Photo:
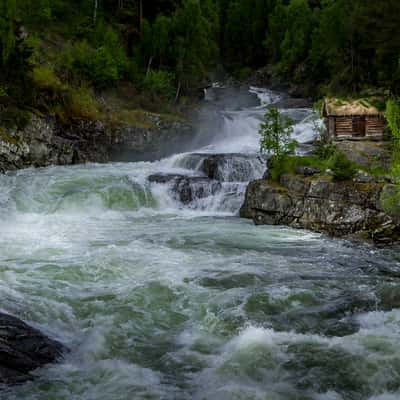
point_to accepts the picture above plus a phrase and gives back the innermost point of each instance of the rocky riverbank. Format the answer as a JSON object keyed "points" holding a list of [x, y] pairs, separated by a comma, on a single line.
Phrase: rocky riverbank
{"points": [[318, 203], [46, 141], [23, 349]]}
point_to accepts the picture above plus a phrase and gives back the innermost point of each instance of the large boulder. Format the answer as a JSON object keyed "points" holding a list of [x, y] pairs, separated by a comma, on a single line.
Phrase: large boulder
{"points": [[367, 153], [234, 167], [323, 205], [24, 349]]}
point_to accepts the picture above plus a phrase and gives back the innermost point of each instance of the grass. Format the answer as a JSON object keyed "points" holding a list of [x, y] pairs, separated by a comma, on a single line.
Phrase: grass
{"points": [[341, 167], [289, 164], [136, 118]]}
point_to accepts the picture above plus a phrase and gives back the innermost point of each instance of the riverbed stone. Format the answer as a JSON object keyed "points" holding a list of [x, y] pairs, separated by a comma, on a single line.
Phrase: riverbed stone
{"points": [[24, 349]]}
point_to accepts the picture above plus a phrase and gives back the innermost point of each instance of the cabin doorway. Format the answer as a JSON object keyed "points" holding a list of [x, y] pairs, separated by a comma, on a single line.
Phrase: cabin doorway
{"points": [[359, 126]]}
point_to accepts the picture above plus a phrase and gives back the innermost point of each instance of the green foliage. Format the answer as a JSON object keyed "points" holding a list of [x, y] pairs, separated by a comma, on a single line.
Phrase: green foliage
{"points": [[295, 44], [324, 150], [341, 167], [390, 200], [159, 83], [288, 164], [78, 104], [393, 120], [45, 78], [101, 66], [14, 117], [8, 11], [276, 133]]}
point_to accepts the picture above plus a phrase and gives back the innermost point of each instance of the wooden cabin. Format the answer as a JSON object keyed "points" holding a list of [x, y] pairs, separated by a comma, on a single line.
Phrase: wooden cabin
{"points": [[354, 120]]}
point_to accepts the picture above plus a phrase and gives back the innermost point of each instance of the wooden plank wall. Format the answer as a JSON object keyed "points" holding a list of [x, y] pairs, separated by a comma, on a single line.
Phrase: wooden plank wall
{"points": [[375, 126], [344, 126]]}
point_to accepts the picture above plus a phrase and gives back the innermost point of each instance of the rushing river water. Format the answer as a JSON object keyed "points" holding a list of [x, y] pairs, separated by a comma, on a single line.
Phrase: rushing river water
{"points": [[162, 300]]}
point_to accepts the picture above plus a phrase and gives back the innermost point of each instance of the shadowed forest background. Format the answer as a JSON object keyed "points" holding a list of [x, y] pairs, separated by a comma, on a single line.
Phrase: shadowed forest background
{"points": [[55, 53]]}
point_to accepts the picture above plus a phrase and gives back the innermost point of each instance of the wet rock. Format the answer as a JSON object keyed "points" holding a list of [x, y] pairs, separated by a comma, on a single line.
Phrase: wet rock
{"points": [[24, 349], [187, 188], [389, 296], [165, 178], [190, 189], [323, 205], [234, 167]]}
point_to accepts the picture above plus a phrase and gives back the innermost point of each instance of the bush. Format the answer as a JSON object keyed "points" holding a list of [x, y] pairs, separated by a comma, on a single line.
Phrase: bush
{"points": [[342, 167], [45, 78], [14, 117], [390, 200], [243, 73], [159, 83], [324, 150], [101, 66], [79, 104], [104, 69]]}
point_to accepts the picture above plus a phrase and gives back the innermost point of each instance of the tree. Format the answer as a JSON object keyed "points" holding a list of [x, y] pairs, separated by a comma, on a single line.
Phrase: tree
{"points": [[393, 119], [8, 12], [295, 45], [276, 133]]}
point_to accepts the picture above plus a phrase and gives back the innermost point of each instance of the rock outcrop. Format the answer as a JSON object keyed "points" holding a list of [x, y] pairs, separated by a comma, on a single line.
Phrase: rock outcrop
{"points": [[45, 141], [187, 188], [323, 205], [24, 349], [233, 167]]}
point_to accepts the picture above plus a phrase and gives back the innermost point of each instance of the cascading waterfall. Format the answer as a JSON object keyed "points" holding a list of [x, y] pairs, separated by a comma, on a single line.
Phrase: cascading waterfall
{"points": [[144, 272]]}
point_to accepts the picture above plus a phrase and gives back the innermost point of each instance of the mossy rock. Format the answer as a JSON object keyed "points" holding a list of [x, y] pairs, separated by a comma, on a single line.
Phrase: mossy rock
{"points": [[6, 137]]}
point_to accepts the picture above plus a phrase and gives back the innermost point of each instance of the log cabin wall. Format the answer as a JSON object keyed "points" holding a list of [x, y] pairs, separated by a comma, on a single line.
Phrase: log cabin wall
{"points": [[375, 126], [344, 127]]}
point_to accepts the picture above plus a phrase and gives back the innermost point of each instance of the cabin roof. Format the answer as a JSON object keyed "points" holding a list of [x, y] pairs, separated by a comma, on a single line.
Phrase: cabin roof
{"points": [[343, 108]]}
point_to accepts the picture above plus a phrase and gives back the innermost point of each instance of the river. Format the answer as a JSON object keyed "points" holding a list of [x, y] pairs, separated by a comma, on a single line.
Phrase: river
{"points": [[160, 298]]}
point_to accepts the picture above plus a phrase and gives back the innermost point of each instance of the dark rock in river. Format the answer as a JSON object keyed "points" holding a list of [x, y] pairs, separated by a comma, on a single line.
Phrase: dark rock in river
{"points": [[234, 167], [323, 205], [187, 188], [24, 349]]}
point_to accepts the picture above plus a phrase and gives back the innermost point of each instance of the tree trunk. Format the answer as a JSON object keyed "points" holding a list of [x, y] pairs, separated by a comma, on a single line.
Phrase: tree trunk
{"points": [[178, 91], [141, 17], [95, 7], [149, 65]]}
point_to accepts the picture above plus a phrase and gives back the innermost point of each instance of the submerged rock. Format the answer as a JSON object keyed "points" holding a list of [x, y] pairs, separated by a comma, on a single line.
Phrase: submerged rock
{"points": [[24, 349], [323, 205]]}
